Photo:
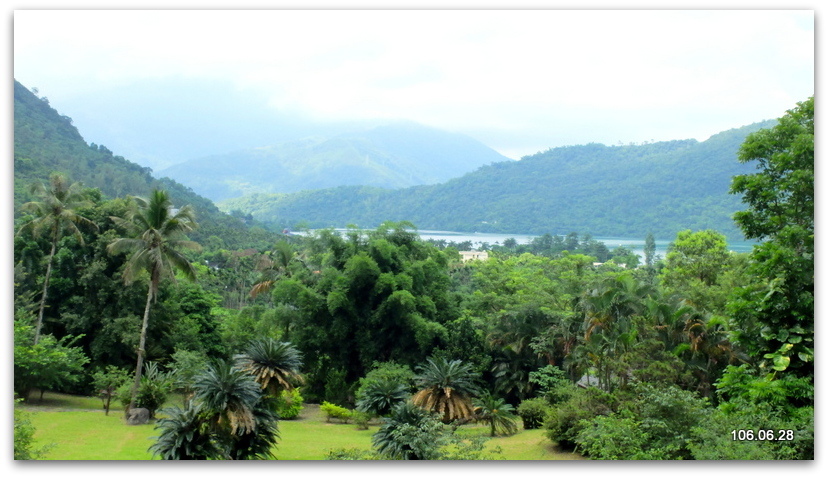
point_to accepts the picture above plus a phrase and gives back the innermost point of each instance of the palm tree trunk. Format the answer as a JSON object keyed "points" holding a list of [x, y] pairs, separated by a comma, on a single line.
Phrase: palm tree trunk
{"points": [[45, 291], [141, 343]]}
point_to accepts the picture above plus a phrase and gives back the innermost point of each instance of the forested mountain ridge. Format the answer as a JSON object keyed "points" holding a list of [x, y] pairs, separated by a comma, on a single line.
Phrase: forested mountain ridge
{"points": [[393, 155], [46, 141], [628, 190]]}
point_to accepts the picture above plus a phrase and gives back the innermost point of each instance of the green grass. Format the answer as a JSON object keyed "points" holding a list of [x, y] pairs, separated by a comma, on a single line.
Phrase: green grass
{"points": [[78, 430]]}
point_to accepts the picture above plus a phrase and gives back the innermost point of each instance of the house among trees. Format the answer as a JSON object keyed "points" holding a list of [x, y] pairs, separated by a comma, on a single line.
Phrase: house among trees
{"points": [[474, 255]]}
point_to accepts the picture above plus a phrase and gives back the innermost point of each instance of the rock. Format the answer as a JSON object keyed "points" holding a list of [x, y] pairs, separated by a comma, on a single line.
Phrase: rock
{"points": [[138, 416]]}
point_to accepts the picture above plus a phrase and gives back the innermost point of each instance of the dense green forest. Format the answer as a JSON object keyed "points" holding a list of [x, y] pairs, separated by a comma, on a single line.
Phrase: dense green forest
{"points": [[617, 191], [705, 354]]}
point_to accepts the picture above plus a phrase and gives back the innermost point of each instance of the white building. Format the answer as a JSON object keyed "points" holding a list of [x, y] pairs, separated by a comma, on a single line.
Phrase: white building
{"points": [[474, 255]]}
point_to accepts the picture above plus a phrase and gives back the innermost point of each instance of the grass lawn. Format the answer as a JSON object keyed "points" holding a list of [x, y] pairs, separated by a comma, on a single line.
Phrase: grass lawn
{"points": [[78, 430]]}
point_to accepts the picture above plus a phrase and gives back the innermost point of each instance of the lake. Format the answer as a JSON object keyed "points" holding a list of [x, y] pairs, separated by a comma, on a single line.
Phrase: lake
{"points": [[636, 245]]}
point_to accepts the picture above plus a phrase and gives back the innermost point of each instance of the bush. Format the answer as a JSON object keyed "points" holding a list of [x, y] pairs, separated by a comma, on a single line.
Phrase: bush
{"points": [[565, 420], [289, 404], [653, 423], [153, 390], [668, 415], [361, 419], [24, 437], [612, 438], [553, 384], [351, 454], [335, 411], [533, 412], [713, 439]]}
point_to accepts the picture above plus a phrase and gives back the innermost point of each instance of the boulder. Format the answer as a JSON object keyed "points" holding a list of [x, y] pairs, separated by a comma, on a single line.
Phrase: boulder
{"points": [[138, 416]]}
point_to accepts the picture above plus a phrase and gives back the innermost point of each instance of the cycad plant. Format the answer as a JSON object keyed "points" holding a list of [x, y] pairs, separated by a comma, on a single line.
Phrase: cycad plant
{"points": [[228, 418], [447, 388], [381, 396], [184, 436], [410, 433], [275, 365], [498, 414]]}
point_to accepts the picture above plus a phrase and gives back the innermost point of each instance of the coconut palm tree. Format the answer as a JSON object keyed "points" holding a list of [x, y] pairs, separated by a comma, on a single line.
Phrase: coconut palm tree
{"points": [[156, 233], [447, 388], [497, 413], [273, 265], [275, 365], [54, 214]]}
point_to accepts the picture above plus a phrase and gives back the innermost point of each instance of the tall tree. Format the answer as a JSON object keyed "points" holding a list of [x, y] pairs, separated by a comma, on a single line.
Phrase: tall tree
{"points": [[156, 232], [55, 213], [649, 250], [776, 317]]}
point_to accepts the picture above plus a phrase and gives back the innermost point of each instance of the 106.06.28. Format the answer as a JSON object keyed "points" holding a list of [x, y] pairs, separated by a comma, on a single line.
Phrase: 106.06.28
{"points": [[762, 435]]}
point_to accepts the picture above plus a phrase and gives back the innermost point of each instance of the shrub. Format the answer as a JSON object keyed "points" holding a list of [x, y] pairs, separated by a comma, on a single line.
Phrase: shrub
{"points": [[612, 438], [361, 419], [24, 437], [533, 412], [335, 411], [289, 404], [713, 439], [564, 421], [154, 389], [552, 383], [351, 454]]}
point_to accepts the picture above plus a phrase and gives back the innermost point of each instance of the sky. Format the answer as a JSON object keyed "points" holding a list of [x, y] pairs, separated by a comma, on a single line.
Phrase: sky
{"points": [[520, 81]]}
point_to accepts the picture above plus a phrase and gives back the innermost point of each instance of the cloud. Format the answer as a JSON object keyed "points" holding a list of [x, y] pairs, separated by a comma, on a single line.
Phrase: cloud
{"points": [[621, 73]]}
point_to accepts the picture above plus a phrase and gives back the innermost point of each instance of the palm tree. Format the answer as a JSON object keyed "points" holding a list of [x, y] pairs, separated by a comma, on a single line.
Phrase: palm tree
{"points": [[55, 213], [497, 413], [274, 365], [155, 230], [447, 388], [273, 265]]}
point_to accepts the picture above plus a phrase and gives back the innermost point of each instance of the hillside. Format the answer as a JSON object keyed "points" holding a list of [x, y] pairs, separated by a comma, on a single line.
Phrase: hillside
{"points": [[394, 155], [622, 191], [46, 141]]}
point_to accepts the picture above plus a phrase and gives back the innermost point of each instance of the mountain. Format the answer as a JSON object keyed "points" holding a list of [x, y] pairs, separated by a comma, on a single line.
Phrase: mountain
{"points": [[394, 155], [46, 141], [622, 191]]}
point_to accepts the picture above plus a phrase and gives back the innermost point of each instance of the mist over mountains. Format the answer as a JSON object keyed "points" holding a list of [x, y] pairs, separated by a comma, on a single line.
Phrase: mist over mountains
{"points": [[394, 155]]}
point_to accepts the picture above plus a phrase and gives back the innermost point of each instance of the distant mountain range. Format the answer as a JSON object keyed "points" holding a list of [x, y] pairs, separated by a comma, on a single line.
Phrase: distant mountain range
{"points": [[622, 191], [395, 155]]}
